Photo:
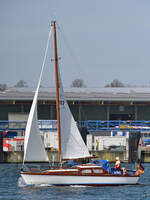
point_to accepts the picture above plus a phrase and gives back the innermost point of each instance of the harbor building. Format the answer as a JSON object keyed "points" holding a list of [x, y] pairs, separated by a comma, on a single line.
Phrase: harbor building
{"points": [[107, 114], [85, 103]]}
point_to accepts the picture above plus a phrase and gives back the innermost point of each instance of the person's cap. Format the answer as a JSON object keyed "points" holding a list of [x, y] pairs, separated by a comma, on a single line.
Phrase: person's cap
{"points": [[117, 158]]}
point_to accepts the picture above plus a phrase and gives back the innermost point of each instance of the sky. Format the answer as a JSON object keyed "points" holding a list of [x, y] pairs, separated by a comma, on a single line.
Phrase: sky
{"points": [[98, 41]]}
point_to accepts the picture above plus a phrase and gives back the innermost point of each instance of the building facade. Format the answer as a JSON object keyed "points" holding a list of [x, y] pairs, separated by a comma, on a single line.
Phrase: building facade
{"points": [[85, 103]]}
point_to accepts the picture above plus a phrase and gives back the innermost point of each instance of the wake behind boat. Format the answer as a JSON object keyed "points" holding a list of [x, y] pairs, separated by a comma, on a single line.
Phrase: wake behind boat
{"points": [[71, 147]]}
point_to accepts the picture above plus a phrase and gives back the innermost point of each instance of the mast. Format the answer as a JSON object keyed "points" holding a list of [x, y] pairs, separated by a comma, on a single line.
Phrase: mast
{"points": [[57, 91]]}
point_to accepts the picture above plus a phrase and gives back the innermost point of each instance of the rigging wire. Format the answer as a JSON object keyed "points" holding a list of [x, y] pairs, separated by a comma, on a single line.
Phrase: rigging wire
{"points": [[46, 50], [75, 59], [71, 53]]}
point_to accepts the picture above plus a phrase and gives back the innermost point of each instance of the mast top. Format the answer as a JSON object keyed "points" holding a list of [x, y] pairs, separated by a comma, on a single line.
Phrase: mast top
{"points": [[53, 22]]}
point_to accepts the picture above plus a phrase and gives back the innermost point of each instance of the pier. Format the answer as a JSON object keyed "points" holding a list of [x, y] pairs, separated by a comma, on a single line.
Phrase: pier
{"points": [[12, 132], [17, 157]]}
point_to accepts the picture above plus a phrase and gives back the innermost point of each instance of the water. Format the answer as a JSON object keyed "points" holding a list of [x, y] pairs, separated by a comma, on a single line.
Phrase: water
{"points": [[12, 188]]}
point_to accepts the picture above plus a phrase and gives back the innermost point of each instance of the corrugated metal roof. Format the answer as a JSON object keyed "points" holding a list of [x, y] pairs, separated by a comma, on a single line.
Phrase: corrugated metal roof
{"points": [[80, 94]]}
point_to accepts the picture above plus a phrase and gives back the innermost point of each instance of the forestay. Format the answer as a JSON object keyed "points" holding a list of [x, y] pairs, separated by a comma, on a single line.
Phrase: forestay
{"points": [[33, 146], [72, 144]]}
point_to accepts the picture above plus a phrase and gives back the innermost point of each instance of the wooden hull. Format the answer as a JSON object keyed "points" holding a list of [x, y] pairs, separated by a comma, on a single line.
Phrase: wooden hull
{"points": [[36, 179]]}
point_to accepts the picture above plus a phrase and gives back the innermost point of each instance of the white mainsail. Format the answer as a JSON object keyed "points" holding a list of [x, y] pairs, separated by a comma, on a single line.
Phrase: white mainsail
{"points": [[33, 146], [72, 144]]}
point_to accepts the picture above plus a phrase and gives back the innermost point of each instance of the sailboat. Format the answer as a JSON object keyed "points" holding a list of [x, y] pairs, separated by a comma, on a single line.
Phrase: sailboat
{"points": [[71, 147]]}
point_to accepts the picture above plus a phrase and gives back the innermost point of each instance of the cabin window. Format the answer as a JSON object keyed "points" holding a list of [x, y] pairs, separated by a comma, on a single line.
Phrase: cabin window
{"points": [[85, 171], [98, 171], [74, 172]]}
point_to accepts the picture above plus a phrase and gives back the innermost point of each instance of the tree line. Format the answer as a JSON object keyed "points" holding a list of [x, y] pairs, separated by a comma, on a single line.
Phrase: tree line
{"points": [[77, 83], [20, 83]]}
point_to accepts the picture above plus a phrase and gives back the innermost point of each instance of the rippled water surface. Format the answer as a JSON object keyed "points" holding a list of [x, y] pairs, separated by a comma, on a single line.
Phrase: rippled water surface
{"points": [[11, 187]]}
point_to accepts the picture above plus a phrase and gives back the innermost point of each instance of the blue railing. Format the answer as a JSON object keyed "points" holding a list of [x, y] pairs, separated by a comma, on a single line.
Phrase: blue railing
{"points": [[90, 125], [20, 125], [48, 124], [93, 125]]}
